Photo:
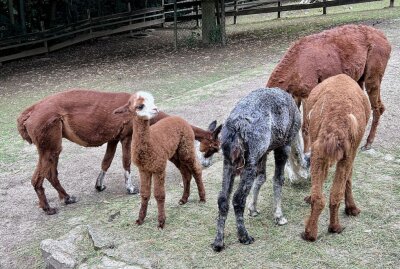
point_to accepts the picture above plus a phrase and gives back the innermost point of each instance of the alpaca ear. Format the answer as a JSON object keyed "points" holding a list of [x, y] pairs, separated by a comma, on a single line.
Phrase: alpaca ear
{"points": [[212, 126], [122, 109], [217, 131]]}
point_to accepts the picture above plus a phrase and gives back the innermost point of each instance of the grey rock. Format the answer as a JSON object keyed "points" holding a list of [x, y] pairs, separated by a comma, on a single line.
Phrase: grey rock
{"points": [[100, 240], [64, 252]]}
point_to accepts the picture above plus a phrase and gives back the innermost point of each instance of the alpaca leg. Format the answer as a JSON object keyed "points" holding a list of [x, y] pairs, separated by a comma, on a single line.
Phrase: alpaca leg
{"points": [[37, 183], [319, 172], [223, 204], [52, 176], [186, 178], [281, 155], [195, 170], [373, 76], [373, 90], [337, 193], [108, 157], [239, 201], [351, 209], [260, 180], [159, 194], [298, 163], [131, 186], [145, 183]]}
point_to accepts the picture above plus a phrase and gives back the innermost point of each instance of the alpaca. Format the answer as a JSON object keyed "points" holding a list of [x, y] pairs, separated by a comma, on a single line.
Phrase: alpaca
{"points": [[360, 51], [264, 120], [169, 139], [85, 117], [337, 114]]}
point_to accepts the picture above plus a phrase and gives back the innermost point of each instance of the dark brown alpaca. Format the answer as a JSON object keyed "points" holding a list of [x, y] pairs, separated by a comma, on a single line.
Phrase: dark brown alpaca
{"points": [[359, 51], [169, 139], [337, 114], [86, 118]]}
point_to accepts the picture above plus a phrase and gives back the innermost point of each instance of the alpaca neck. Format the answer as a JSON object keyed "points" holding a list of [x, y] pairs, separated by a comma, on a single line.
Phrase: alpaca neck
{"points": [[141, 133], [201, 134]]}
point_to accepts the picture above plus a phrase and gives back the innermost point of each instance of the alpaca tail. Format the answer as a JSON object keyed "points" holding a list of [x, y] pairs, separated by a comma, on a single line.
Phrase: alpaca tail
{"points": [[21, 124], [233, 149], [337, 144]]}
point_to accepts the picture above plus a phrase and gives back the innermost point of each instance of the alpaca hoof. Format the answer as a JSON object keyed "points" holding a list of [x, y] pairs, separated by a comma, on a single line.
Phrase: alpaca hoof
{"points": [[132, 190], [253, 213], [70, 200], [306, 236], [139, 221], [280, 221], [246, 240], [352, 211], [50, 211], [202, 200], [307, 199], [366, 147], [217, 246], [101, 188], [161, 224], [182, 201], [335, 229]]}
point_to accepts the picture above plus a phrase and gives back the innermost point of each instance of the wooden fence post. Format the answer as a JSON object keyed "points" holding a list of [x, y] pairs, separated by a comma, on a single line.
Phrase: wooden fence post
{"points": [[235, 8], [11, 11], [279, 9], [223, 33], [324, 8], [175, 25], [45, 41], [130, 21], [22, 15]]}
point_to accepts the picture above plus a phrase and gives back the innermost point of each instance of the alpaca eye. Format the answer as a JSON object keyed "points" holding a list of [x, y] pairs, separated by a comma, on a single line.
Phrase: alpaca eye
{"points": [[140, 107]]}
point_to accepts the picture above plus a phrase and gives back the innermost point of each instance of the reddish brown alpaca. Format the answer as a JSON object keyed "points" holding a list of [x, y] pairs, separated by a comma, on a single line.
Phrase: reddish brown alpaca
{"points": [[85, 117], [169, 139], [337, 114], [359, 51]]}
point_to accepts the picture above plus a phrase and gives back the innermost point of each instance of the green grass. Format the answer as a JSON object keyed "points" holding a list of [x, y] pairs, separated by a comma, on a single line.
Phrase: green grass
{"points": [[369, 240]]}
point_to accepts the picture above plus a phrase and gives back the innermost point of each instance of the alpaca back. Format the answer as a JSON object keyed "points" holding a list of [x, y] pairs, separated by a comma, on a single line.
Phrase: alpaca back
{"points": [[267, 115], [168, 134], [338, 112]]}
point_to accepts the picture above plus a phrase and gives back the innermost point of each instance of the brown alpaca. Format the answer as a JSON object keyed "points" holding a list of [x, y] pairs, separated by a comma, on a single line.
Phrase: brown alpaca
{"points": [[85, 117], [359, 51], [337, 114], [169, 139]]}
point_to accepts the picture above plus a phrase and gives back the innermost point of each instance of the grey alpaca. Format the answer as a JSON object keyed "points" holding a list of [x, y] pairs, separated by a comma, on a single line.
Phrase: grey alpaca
{"points": [[265, 120]]}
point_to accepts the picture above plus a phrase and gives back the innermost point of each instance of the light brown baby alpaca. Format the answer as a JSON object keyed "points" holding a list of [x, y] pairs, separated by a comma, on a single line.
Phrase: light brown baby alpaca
{"points": [[152, 146], [337, 112]]}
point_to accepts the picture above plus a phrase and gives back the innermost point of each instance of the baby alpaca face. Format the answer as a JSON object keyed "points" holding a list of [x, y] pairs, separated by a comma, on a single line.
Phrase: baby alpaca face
{"points": [[143, 105]]}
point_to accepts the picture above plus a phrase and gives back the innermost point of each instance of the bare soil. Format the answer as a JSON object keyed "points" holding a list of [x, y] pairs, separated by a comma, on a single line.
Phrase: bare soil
{"points": [[200, 84]]}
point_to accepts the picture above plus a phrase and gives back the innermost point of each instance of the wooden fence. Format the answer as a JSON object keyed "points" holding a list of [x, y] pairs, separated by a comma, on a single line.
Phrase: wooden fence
{"points": [[56, 38]]}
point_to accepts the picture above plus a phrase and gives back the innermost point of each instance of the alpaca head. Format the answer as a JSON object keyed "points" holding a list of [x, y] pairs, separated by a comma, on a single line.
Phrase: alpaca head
{"points": [[141, 104]]}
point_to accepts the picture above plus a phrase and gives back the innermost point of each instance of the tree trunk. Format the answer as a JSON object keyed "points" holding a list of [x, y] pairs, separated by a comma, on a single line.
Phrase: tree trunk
{"points": [[208, 20], [223, 33]]}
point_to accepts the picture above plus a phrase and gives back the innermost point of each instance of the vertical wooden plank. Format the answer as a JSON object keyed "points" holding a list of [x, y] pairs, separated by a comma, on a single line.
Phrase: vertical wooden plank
{"points": [[324, 8], [235, 8], [223, 33], [11, 11], [45, 41], [22, 15], [279, 9], [130, 21], [175, 26]]}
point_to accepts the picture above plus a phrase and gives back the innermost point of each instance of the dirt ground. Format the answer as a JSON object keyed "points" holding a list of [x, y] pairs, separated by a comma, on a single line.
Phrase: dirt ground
{"points": [[200, 84]]}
